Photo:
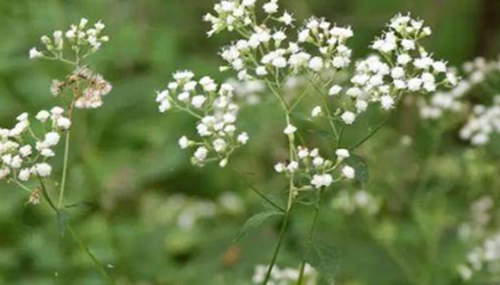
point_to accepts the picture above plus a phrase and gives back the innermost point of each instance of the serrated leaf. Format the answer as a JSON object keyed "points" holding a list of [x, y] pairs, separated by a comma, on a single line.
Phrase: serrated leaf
{"points": [[255, 222], [361, 168], [323, 259]]}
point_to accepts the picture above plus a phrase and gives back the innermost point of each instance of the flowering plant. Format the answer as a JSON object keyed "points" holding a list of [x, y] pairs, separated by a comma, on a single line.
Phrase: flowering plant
{"points": [[271, 50], [27, 149]]}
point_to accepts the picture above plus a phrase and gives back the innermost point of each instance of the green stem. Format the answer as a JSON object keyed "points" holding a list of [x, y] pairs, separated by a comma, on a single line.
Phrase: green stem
{"points": [[278, 246], [22, 186], [46, 195], [98, 264], [258, 192], [309, 241], [371, 134], [65, 169], [291, 187], [323, 101]]}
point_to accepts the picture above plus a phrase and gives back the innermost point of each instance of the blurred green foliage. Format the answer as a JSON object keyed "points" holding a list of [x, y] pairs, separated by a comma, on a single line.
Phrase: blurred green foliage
{"points": [[127, 168]]}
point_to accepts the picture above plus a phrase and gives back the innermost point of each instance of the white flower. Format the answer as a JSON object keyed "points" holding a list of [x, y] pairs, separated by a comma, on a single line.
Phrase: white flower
{"points": [[43, 116], [34, 53], [248, 3], [198, 101], [290, 130], [243, 138], [348, 172], [4, 172], [465, 272], [184, 142], [323, 180], [271, 7], [219, 145], [25, 151], [408, 44], [201, 153], [316, 111], [439, 66], [286, 19], [404, 59], [335, 90], [342, 153], [303, 152], [24, 175], [348, 117], [43, 169], [316, 63], [361, 105], [397, 72], [47, 152], [64, 123], [414, 84], [292, 166], [52, 139], [279, 62], [279, 167], [318, 161], [387, 102], [261, 71], [165, 106]]}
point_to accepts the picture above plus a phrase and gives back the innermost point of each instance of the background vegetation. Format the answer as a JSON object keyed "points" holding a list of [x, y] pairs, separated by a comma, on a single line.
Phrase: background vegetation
{"points": [[136, 192]]}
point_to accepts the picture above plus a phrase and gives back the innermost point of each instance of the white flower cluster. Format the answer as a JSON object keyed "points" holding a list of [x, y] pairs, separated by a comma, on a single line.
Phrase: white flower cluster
{"points": [[82, 39], [317, 171], [361, 200], [482, 124], [481, 216], [285, 276], [476, 231], [24, 154], [248, 91], [265, 48], [91, 88], [216, 111], [402, 66], [187, 212], [475, 73], [484, 257]]}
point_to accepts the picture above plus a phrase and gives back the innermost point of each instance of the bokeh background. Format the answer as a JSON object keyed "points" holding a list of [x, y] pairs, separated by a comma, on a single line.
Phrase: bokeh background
{"points": [[153, 217]]}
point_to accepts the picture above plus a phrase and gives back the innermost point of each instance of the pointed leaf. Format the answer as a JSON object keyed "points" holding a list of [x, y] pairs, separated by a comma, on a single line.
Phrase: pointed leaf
{"points": [[255, 222], [323, 259]]}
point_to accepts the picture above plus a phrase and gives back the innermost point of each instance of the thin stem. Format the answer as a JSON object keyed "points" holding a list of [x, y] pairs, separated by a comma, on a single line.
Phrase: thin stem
{"points": [[309, 240], [325, 106], [65, 169], [259, 193], [371, 134], [291, 145], [47, 196], [278, 246], [98, 264], [22, 186]]}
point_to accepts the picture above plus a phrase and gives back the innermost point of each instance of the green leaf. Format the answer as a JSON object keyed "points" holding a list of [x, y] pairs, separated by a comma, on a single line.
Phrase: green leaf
{"points": [[84, 205], [323, 259], [255, 222], [361, 168]]}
